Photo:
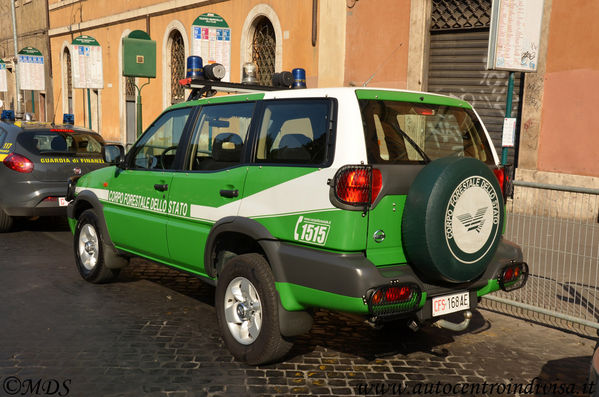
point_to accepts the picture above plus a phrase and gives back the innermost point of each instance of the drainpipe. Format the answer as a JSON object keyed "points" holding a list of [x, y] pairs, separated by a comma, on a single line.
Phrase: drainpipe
{"points": [[314, 23], [17, 84]]}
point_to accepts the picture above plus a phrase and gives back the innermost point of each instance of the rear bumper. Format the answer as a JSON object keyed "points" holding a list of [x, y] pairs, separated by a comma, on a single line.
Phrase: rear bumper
{"points": [[26, 199], [306, 277]]}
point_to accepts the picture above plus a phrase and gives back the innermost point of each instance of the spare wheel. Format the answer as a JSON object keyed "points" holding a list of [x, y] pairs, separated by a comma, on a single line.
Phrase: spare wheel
{"points": [[453, 220]]}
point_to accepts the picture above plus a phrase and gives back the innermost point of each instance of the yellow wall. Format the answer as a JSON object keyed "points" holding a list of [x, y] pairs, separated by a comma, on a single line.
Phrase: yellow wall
{"points": [[377, 43]]}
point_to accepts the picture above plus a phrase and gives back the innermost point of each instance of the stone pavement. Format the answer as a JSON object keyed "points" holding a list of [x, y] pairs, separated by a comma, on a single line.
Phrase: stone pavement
{"points": [[153, 332]]}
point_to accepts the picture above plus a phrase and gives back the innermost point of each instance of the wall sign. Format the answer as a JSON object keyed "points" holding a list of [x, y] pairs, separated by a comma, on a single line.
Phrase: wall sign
{"points": [[515, 35], [3, 81], [211, 39], [31, 69], [86, 63]]}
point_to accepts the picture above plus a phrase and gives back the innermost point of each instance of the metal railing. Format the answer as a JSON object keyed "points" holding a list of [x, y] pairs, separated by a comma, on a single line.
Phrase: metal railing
{"points": [[558, 230]]}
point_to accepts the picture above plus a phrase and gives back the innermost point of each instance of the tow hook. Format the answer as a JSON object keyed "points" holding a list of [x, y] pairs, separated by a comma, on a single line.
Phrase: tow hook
{"points": [[453, 326]]}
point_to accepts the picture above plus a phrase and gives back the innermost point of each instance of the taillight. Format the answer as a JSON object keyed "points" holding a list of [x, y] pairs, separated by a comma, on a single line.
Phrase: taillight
{"points": [[358, 185], [392, 300], [503, 175], [500, 175], [18, 163], [513, 276]]}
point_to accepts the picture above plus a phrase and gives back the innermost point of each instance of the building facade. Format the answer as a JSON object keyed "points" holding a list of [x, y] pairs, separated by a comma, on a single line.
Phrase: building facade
{"points": [[32, 31], [428, 45]]}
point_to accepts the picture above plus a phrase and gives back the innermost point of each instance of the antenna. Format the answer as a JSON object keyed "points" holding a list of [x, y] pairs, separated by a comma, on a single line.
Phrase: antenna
{"points": [[381, 65]]}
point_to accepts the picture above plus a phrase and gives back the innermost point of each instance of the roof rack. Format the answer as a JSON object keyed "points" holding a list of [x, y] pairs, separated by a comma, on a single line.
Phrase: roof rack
{"points": [[208, 88]]}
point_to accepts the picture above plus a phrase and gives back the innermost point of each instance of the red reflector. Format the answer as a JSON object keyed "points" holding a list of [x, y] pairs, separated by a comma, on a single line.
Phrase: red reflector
{"points": [[395, 294], [377, 184], [18, 163], [508, 275], [377, 297], [500, 174], [425, 111], [51, 198], [185, 81], [61, 130]]}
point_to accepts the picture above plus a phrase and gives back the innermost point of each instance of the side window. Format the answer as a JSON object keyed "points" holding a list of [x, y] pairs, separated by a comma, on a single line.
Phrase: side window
{"points": [[220, 136], [294, 132], [158, 146]]}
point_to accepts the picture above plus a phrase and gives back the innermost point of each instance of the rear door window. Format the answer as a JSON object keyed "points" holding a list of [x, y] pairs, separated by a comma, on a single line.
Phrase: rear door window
{"points": [[294, 132], [405, 132]]}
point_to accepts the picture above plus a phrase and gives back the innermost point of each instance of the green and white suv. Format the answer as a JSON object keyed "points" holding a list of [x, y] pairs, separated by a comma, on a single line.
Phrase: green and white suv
{"points": [[381, 203]]}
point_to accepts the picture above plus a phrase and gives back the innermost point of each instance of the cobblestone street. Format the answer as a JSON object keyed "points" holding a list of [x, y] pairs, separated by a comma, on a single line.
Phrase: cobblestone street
{"points": [[153, 332]]}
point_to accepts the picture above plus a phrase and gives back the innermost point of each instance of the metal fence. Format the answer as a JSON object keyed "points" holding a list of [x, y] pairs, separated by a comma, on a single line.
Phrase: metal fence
{"points": [[558, 230]]}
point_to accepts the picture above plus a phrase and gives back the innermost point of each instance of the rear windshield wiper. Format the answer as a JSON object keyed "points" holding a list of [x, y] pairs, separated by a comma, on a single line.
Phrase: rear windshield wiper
{"points": [[411, 141]]}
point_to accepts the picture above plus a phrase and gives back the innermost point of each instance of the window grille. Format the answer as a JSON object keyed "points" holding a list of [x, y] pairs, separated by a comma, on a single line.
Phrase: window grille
{"points": [[264, 50], [460, 14], [130, 88], [177, 67]]}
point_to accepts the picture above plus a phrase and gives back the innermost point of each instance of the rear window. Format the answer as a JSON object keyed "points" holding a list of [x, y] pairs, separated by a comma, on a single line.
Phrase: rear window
{"points": [[405, 132], [61, 142]]}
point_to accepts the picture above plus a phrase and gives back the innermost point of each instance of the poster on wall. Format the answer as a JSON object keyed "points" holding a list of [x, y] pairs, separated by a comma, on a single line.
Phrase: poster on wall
{"points": [[3, 81], [31, 69], [87, 63], [515, 35], [211, 40]]}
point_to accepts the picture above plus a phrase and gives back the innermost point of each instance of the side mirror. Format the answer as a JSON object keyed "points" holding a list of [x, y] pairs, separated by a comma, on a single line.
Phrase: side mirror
{"points": [[114, 155]]}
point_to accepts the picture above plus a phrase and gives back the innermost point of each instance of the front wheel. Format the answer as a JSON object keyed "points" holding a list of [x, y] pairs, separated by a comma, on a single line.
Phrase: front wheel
{"points": [[247, 310], [89, 250]]}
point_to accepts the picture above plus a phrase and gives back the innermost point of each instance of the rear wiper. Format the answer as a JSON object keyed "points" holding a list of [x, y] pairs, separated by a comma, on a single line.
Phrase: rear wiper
{"points": [[411, 141]]}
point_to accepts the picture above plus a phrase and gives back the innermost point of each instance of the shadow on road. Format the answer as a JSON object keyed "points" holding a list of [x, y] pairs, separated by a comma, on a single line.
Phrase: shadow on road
{"points": [[41, 224], [566, 376], [331, 331]]}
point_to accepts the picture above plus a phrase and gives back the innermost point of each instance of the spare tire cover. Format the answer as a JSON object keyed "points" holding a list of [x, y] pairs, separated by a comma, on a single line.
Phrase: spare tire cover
{"points": [[453, 220]]}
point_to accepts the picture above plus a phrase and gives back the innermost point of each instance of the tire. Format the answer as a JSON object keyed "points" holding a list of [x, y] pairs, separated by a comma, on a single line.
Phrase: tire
{"points": [[6, 221], [89, 250], [246, 298], [453, 220]]}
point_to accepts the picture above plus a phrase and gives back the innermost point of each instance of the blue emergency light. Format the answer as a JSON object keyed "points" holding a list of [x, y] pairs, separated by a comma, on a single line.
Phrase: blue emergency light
{"points": [[68, 118], [8, 115]]}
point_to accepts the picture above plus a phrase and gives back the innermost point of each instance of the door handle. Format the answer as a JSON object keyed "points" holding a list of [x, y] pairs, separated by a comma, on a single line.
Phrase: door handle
{"points": [[229, 193], [161, 187]]}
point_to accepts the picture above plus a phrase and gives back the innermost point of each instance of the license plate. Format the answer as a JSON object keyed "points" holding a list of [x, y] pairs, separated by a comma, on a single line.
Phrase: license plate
{"points": [[62, 202], [451, 303]]}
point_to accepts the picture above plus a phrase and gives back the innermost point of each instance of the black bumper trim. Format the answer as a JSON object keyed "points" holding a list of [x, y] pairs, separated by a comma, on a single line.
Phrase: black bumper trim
{"points": [[353, 274]]}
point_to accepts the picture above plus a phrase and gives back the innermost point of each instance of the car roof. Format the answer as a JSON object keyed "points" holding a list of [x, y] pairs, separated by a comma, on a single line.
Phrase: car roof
{"points": [[368, 92], [19, 125]]}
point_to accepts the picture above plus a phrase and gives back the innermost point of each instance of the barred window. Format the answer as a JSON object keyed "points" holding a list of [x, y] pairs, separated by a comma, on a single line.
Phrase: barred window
{"points": [[177, 66], [69, 78], [264, 50], [460, 14], [130, 88]]}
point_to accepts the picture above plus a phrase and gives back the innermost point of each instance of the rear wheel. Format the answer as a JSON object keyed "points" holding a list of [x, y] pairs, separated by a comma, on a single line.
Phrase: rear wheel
{"points": [[89, 250], [5, 221], [247, 310]]}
